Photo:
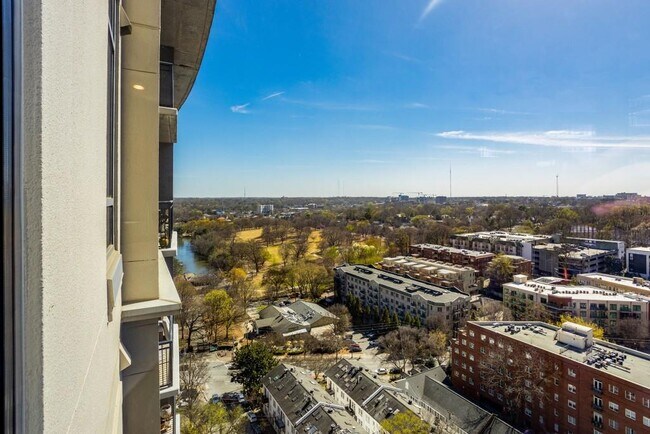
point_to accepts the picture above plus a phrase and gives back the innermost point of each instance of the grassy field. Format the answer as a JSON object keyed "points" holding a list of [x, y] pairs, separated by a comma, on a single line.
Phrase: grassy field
{"points": [[274, 250]]}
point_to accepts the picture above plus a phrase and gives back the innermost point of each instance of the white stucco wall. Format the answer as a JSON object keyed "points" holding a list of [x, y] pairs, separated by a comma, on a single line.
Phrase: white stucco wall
{"points": [[73, 350]]}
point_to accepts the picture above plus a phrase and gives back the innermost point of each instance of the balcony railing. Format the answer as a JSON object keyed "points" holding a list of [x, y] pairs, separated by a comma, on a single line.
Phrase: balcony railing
{"points": [[165, 378], [598, 423], [165, 223], [597, 390]]}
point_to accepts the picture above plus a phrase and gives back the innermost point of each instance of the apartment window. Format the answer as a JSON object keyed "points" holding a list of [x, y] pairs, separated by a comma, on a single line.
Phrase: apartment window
{"points": [[629, 430], [471, 345], [111, 117], [572, 388], [630, 395], [630, 414], [471, 380], [491, 341], [571, 404], [571, 373], [597, 384], [471, 357], [613, 389], [613, 424], [613, 406], [556, 397], [556, 427], [646, 402], [646, 421], [612, 307], [571, 420], [471, 333], [483, 337], [528, 412]]}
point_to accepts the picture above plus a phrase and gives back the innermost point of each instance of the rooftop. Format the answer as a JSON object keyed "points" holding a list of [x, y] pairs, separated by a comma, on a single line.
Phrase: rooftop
{"points": [[424, 262], [377, 398], [633, 283], [558, 288], [401, 283], [429, 387], [309, 408], [465, 252], [574, 251], [634, 367], [504, 236], [639, 249]]}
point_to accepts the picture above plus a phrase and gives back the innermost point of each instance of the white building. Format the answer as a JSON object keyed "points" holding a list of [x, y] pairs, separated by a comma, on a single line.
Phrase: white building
{"points": [[381, 290], [436, 272], [638, 261], [501, 242], [89, 122], [601, 306], [266, 209]]}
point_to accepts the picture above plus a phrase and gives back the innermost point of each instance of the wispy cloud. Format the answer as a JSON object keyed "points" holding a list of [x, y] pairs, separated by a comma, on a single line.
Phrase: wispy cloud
{"points": [[416, 105], [241, 109], [334, 106], [429, 8], [273, 95], [568, 139], [482, 151], [497, 111]]}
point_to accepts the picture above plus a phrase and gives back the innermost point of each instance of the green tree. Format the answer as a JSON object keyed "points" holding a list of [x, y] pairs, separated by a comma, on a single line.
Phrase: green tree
{"points": [[405, 422], [500, 271], [251, 363], [177, 267], [214, 419], [220, 310]]}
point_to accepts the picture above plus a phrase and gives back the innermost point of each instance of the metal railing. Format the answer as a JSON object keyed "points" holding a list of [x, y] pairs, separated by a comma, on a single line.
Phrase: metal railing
{"points": [[165, 223], [165, 359]]}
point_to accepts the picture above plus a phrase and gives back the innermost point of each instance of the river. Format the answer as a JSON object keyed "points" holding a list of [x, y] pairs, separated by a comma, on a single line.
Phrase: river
{"points": [[190, 260]]}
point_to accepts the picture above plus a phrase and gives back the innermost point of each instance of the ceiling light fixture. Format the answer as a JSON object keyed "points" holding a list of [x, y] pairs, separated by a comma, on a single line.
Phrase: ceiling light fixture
{"points": [[138, 87]]}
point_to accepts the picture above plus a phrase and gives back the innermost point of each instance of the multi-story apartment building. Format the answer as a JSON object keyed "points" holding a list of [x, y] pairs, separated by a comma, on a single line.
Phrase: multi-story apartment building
{"points": [[265, 209], [638, 261], [295, 403], [369, 400], [439, 273], [501, 242], [553, 379], [601, 306], [382, 290], [636, 285], [89, 121], [463, 257], [610, 245], [568, 260]]}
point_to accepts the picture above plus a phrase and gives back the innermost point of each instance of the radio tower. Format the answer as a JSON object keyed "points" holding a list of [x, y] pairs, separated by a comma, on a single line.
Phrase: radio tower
{"points": [[449, 180]]}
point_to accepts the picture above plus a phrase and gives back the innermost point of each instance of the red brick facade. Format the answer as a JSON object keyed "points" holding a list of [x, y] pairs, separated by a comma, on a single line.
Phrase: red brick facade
{"points": [[572, 401]]}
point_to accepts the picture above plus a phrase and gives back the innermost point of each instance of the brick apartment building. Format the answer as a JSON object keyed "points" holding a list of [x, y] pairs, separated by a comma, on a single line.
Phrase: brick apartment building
{"points": [[463, 257], [554, 380]]}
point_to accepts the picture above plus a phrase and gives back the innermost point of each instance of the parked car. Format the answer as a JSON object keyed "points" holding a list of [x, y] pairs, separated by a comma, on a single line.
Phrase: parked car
{"points": [[382, 371], [215, 399], [233, 398], [354, 348], [395, 371], [252, 417]]}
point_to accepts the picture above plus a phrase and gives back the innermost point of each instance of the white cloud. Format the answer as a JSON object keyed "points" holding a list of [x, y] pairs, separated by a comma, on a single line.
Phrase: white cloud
{"points": [[416, 105], [241, 109], [497, 111], [429, 8], [482, 151], [273, 95], [569, 139]]}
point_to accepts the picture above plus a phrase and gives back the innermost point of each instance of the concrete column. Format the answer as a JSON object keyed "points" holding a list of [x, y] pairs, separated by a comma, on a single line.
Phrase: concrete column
{"points": [[140, 97]]}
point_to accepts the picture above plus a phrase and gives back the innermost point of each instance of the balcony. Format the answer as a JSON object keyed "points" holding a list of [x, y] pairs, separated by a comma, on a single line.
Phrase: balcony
{"points": [[165, 223], [597, 390], [598, 423], [168, 363], [596, 406]]}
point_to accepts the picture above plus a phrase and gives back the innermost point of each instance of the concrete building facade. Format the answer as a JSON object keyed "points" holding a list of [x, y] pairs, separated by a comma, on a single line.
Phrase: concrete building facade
{"points": [[381, 290], [506, 243], [439, 273], [638, 261], [97, 89], [553, 379], [635, 285], [601, 306], [568, 260]]}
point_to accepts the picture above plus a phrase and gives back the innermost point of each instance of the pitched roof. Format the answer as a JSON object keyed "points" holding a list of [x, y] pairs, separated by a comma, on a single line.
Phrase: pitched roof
{"points": [[376, 398], [428, 387], [309, 408]]}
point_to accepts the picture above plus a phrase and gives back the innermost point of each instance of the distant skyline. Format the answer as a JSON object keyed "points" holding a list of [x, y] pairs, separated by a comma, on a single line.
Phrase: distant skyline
{"points": [[372, 98]]}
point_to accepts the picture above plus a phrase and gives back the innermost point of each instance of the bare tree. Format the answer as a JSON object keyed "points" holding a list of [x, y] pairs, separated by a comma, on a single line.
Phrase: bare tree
{"points": [[633, 332], [521, 379], [406, 344], [342, 324], [193, 375]]}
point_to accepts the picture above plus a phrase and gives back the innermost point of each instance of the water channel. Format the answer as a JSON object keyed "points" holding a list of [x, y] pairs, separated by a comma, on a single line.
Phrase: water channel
{"points": [[191, 262]]}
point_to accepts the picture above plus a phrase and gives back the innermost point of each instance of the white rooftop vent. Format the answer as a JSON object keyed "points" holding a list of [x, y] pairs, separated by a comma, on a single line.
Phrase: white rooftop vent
{"points": [[520, 278], [576, 335]]}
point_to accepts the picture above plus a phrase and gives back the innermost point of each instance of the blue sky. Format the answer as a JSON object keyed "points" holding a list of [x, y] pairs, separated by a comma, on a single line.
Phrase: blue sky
{"points": [[374, 97]]}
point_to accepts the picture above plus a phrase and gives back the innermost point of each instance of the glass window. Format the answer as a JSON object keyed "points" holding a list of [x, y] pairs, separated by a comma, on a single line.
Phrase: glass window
{"points": [[111, 118], [630, 414]]}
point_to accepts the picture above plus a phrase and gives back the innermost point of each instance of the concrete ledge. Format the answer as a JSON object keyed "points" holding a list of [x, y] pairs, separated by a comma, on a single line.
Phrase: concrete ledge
{"points": [[167, 124], [173, 246], [167, 303]]}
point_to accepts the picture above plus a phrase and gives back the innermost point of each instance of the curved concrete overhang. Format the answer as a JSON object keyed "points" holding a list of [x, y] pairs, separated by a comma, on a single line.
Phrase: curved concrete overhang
{"points": [[185, 26]]}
